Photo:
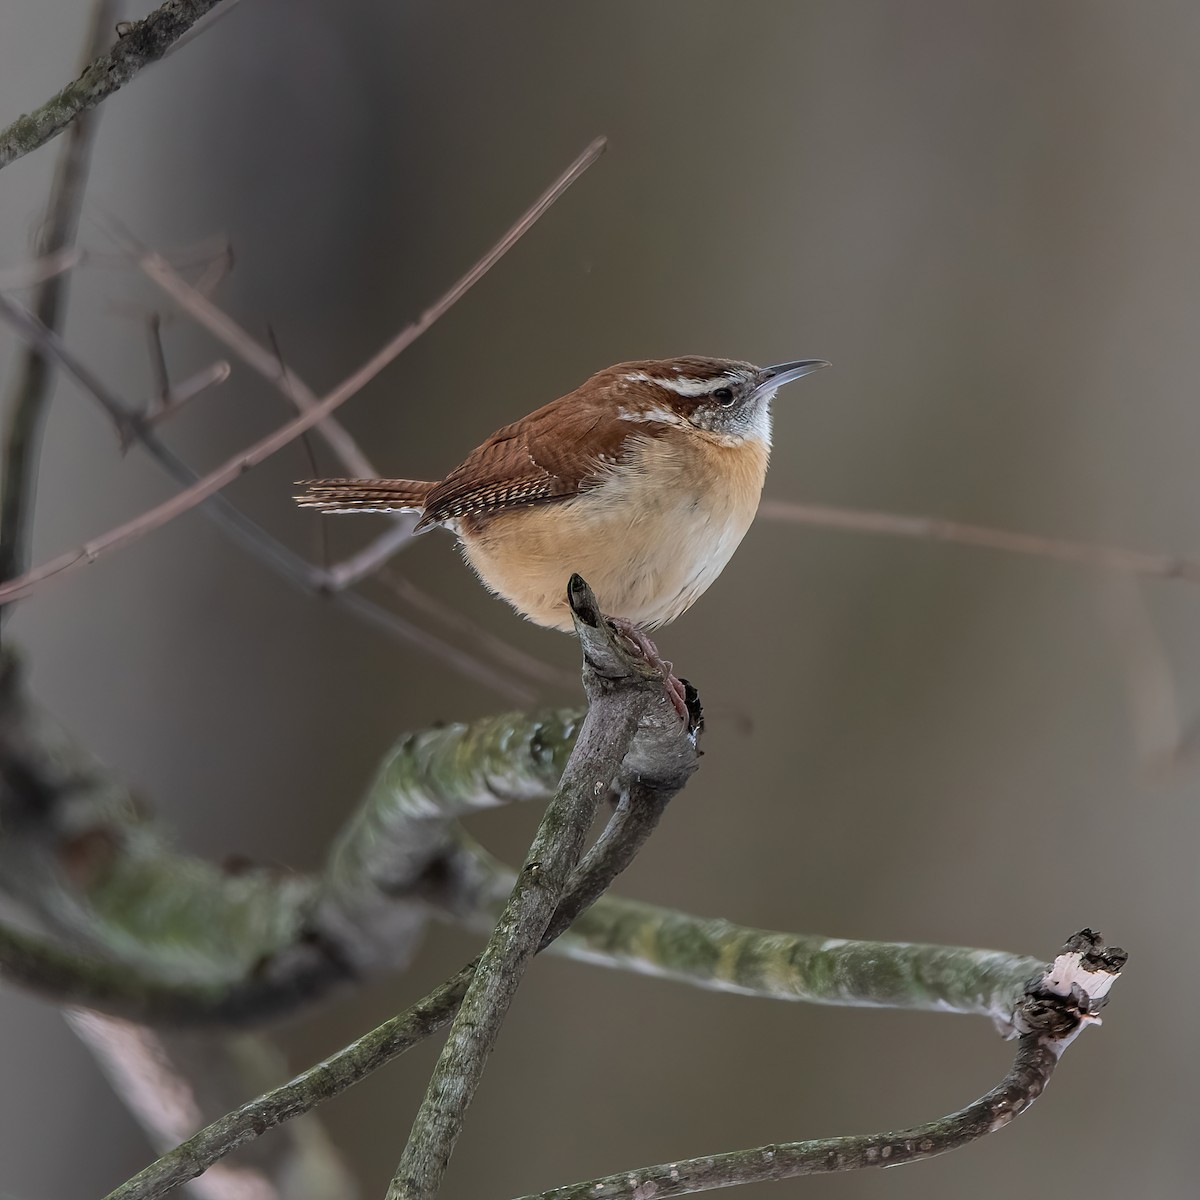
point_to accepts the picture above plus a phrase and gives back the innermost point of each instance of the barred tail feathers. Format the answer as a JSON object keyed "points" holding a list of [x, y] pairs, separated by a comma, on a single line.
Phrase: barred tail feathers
{"points": [[364, 495]]}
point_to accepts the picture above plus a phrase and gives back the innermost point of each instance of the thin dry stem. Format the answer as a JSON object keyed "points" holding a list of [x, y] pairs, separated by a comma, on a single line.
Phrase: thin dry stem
{"points": [[30, 274], [259, 358], [371, 557], [937, 529]]}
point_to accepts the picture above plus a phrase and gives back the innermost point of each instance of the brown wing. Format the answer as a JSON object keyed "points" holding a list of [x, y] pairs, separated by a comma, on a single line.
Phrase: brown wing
{"points": [[550, 455]]}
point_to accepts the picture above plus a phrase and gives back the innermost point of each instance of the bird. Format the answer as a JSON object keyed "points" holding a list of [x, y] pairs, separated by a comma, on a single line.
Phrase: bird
{"points": [[643, 480]]}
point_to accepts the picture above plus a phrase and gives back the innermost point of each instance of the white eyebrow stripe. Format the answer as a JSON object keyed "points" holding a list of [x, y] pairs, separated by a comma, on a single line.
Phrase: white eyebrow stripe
{"points": [[683, 385]]}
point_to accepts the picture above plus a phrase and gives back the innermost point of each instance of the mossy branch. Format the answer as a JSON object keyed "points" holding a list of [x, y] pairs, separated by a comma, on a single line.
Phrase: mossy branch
{"points": [[138, 45]]}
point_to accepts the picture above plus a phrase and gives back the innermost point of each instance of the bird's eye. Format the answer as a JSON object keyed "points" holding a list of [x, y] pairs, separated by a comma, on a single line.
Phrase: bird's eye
{"points": [[723, 396]]}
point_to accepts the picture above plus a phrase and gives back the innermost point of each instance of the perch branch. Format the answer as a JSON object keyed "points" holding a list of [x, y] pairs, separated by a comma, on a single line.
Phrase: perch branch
{"points": [[29, 395], [139, 44], [619, 701], [187, 499], [651, 761], [1055, 1006]]}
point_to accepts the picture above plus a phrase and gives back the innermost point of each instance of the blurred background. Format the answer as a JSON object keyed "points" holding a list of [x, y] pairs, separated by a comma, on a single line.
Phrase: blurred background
{"points": [[986, 216]]}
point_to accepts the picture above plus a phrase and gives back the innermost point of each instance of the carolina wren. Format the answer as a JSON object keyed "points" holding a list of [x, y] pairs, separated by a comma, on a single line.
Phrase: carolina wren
{"points": [[643, 480]]}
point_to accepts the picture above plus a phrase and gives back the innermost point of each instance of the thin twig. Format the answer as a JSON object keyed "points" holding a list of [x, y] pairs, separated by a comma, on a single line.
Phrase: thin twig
{"points": [[29, 395], [252, 537], [194, 385], [1057, 1005], [259, 358], [141, 43], [168, 398], [17, 279], [158, 358], [183, 501], [937, 529], [614, 714], [370, 558]]}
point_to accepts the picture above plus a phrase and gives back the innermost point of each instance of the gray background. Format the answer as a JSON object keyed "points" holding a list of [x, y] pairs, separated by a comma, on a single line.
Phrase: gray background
{"points": [[985, 215]]}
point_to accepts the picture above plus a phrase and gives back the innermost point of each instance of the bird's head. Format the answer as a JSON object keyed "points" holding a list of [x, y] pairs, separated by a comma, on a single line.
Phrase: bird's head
{"points": [[727, 398]]}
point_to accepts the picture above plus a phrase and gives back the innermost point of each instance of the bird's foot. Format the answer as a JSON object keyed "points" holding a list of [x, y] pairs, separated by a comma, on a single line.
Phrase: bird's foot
{"points": [[649, 651]]}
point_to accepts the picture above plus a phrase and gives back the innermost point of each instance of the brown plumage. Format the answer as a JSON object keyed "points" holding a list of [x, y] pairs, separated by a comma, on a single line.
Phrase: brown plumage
{"points": [[644, 480]]}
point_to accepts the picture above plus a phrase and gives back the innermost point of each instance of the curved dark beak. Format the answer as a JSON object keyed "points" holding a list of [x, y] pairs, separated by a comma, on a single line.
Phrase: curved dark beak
{"points": [[775, 377]]}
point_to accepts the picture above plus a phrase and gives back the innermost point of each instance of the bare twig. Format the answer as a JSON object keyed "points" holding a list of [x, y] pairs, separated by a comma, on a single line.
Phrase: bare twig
{"points": [[196, 384], [261, 359], [182, 502], [29, 394], [936, 529], [28, 275], [372, 556], [1056, 1006], [140, 43], [618, 703], [158, 358], [168, 398]]}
